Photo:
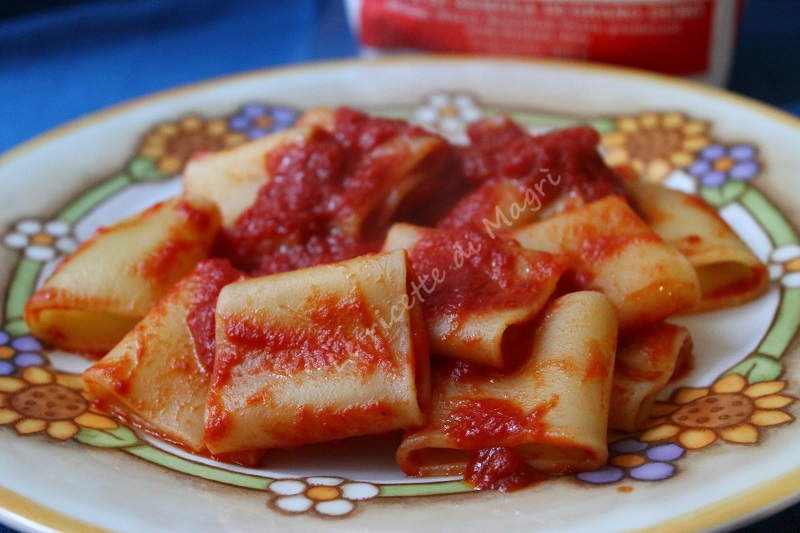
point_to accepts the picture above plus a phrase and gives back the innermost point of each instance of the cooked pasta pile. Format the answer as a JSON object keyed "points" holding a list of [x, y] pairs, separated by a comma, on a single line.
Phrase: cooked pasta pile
{"points": [[503, 303]]}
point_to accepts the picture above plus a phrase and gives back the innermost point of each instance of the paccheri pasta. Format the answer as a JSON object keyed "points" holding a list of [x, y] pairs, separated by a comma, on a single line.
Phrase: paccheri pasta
{"points": [[503, 303], [115, 278]]}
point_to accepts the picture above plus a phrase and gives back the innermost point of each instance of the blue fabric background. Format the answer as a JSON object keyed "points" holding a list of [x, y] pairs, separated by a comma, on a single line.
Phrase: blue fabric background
{"points": [[61, 59]]}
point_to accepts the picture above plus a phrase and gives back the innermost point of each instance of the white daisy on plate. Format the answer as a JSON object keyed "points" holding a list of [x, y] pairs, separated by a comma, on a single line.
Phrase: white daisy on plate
{"points": [[328, 496], [41, 241], [784, 265], [448, 114]]}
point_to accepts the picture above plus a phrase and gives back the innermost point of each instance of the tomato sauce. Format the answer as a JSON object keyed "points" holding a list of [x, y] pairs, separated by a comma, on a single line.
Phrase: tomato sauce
{"points": [[335, 330], [207, 279], [317, 250], [479, 272], [656, 350], [159, 264], [201, 220], [219, 422], [554, 165], [759, 276], [479, 423], [316, 424], [330, 197], [120, 374], [162, 262], [576, 277], [599, 367], [501, 469]]}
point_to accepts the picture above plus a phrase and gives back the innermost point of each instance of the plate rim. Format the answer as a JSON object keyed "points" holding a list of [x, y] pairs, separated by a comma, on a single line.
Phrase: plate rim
{"points": [[376, 62]]}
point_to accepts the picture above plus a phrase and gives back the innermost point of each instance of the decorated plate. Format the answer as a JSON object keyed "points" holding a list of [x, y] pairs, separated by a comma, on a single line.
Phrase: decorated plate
{"points": [[721, 450]]}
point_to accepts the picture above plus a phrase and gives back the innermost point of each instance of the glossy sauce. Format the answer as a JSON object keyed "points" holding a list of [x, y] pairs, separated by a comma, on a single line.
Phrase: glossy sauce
{"points": [[200, 220], [218, 420], [480, 272], [208, 278], [318, 206], [499, 468], [479, 423], [501, 150], [202, 284]]}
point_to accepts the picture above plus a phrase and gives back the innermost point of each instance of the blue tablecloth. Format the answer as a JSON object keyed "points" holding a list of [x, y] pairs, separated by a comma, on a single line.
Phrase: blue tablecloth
{"points": [[61, 59]]}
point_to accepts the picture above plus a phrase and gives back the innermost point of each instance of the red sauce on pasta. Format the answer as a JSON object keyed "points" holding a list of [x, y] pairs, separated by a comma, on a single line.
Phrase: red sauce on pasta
{"points": [[500, 468], [159, 264], [339, 422], [741, 290], [332, 331], [611, 231], [478, 272], [660, 344], [219, 423], [576, 277], [199, 219], [555, 165], [121, 374], [598, 247], [162, 262], [689, 241], [330, 198], [479, 423], [315, 251], [207, 279], [658, 355], [599, 367]]}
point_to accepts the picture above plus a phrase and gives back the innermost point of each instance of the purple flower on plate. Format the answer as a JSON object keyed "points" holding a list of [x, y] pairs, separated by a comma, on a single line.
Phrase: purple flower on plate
{"points": [[257, 120], [718, 163], [19, 352], [638, 460]]}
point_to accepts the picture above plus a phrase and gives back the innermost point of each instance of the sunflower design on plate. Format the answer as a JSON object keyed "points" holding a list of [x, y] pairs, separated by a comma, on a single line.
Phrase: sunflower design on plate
{"points": [[171, 144], [52, 402], [731, 409], [655, 144]]}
